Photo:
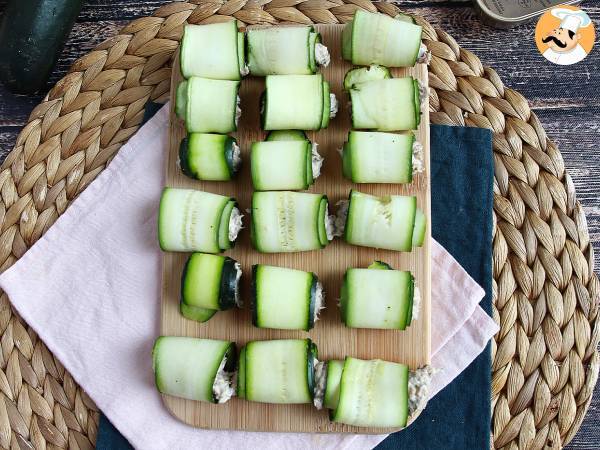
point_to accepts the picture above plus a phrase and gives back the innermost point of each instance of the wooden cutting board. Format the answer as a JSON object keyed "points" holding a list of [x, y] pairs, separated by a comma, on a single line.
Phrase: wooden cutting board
{"points": [[332, 338]]}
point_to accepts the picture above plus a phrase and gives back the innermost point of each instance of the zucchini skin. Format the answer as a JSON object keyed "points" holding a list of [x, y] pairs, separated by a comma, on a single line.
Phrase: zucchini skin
{"points": [[228, 284], [32, 35]]}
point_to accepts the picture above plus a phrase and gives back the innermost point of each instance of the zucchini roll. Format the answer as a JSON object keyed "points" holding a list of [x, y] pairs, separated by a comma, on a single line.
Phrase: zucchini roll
{"points": [[195, 369], [362, 74], [378, 297], [210, 157], [374, 38], [208, 106], [287, 221], [284, 164], [290, 50], [392, 104], [197, 221], [213, 50], [375, 157], [285, 299], [209, 283], [301, 102], [279, 371], [381, 222]]}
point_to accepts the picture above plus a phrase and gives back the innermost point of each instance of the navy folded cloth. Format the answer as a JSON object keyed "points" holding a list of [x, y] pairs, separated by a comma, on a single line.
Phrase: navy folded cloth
{"points": [[461, 201]]}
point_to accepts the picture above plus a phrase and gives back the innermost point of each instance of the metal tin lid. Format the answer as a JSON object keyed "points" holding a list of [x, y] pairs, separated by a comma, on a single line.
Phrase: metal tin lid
{"points": [[508, 13]]}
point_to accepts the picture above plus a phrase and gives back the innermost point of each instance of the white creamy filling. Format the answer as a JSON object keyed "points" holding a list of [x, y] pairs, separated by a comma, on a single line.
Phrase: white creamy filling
{"points": [[416, 304], [319, 301], [224, 386], [317, 161], [424, 55], [320, 382], [418, 388], [417, 158], [238, 276], [244, 70], [322, 55], [236, 156], [238, 110], [330, 224], [235, 224], [339, 219], [333, 106], [423, 94]]}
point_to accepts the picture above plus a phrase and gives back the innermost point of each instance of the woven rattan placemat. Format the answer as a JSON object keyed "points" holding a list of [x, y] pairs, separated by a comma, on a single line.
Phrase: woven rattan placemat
{"points": [[545, 291]]}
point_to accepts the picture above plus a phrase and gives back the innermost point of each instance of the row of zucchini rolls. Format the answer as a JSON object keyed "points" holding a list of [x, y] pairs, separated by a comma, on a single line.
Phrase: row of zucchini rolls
{"points": [[213, 60], [369, 393]]}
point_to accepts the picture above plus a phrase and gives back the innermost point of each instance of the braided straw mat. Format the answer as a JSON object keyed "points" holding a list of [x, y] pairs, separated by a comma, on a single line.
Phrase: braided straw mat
{"points": [[545, 292]]}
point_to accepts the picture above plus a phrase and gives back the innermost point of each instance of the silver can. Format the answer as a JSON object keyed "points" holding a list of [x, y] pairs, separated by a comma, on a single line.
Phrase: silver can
{"points": [[509, 13]]}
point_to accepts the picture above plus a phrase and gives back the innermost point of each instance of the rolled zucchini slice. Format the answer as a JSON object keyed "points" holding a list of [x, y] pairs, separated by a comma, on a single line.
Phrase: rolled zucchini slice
{"points": [[197, 221], [285, 299], [195, 369], [280, 371], [362, 74], [420, 229], [181, 99], [374, 38], [372, 394], [211, 106], [290, 50], [295, 102], [210, 282], [213, 51], [381, 222], [283, 165], [209, 157], [332, 385], [377, 297], [375, 157], [195, 313], [287, 221], [287, 135], [386, 105]]}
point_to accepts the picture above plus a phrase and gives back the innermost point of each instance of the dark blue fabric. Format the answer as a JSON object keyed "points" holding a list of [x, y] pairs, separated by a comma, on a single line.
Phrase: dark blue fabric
{"points": [[462, 179]]}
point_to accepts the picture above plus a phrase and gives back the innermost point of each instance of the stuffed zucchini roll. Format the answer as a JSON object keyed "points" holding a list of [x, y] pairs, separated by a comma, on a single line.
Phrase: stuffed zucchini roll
{"points": [[209, 157]]}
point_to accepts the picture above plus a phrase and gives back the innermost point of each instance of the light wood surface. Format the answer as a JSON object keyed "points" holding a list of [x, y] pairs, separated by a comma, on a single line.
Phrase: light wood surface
{"points": [[333, 339]]}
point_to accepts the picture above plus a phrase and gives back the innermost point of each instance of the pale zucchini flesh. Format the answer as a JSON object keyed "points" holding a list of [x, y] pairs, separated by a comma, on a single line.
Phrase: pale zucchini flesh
{"points": [[211, 105], [332, 386], [280, 165]]}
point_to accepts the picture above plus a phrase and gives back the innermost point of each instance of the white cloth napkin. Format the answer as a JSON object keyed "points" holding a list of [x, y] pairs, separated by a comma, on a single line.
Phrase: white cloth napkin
{"points": [[90, 289]]}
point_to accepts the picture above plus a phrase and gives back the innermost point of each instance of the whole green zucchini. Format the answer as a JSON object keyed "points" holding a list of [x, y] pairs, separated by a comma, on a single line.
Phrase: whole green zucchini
{"points": [[32, 35]]}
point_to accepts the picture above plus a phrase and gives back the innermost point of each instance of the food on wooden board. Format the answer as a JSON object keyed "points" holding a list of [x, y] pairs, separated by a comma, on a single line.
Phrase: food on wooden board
{"points": [[209, 283], [285, 299], [362, 74], [374, 38], [285, 221], [377, 157], [284, 164], [195, 221], [298, 102], [213, 50], [390, 104], [294, 50], [373, 393], [379, 297], [278, 371], [209, 157], [208, 106], [195, 369]]}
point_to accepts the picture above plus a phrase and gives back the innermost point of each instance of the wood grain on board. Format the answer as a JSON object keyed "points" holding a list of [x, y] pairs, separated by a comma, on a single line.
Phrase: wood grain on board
{"points": [[332, 338]]}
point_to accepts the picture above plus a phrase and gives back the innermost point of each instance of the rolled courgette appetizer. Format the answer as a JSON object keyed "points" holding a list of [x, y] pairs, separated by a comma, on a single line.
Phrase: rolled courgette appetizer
{"points": [[381, 222], [209, 283], [301, 102], [208, 106], [279, 371], [195, 369], [375, 157], [197, 221], [290, 50], [209, 157], [287, 221], [374, 38], [362, 74], [285, 299], [377, 297], [213, 50], [392, 104], [284, 165]]}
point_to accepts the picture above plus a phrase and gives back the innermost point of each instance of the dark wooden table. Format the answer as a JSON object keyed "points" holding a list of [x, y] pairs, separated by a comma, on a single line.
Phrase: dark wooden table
{"points": [[566, 99]]}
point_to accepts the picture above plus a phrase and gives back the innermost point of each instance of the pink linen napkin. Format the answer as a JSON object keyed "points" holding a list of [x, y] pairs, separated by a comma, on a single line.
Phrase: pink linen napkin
{"points": [[90, 289]]}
